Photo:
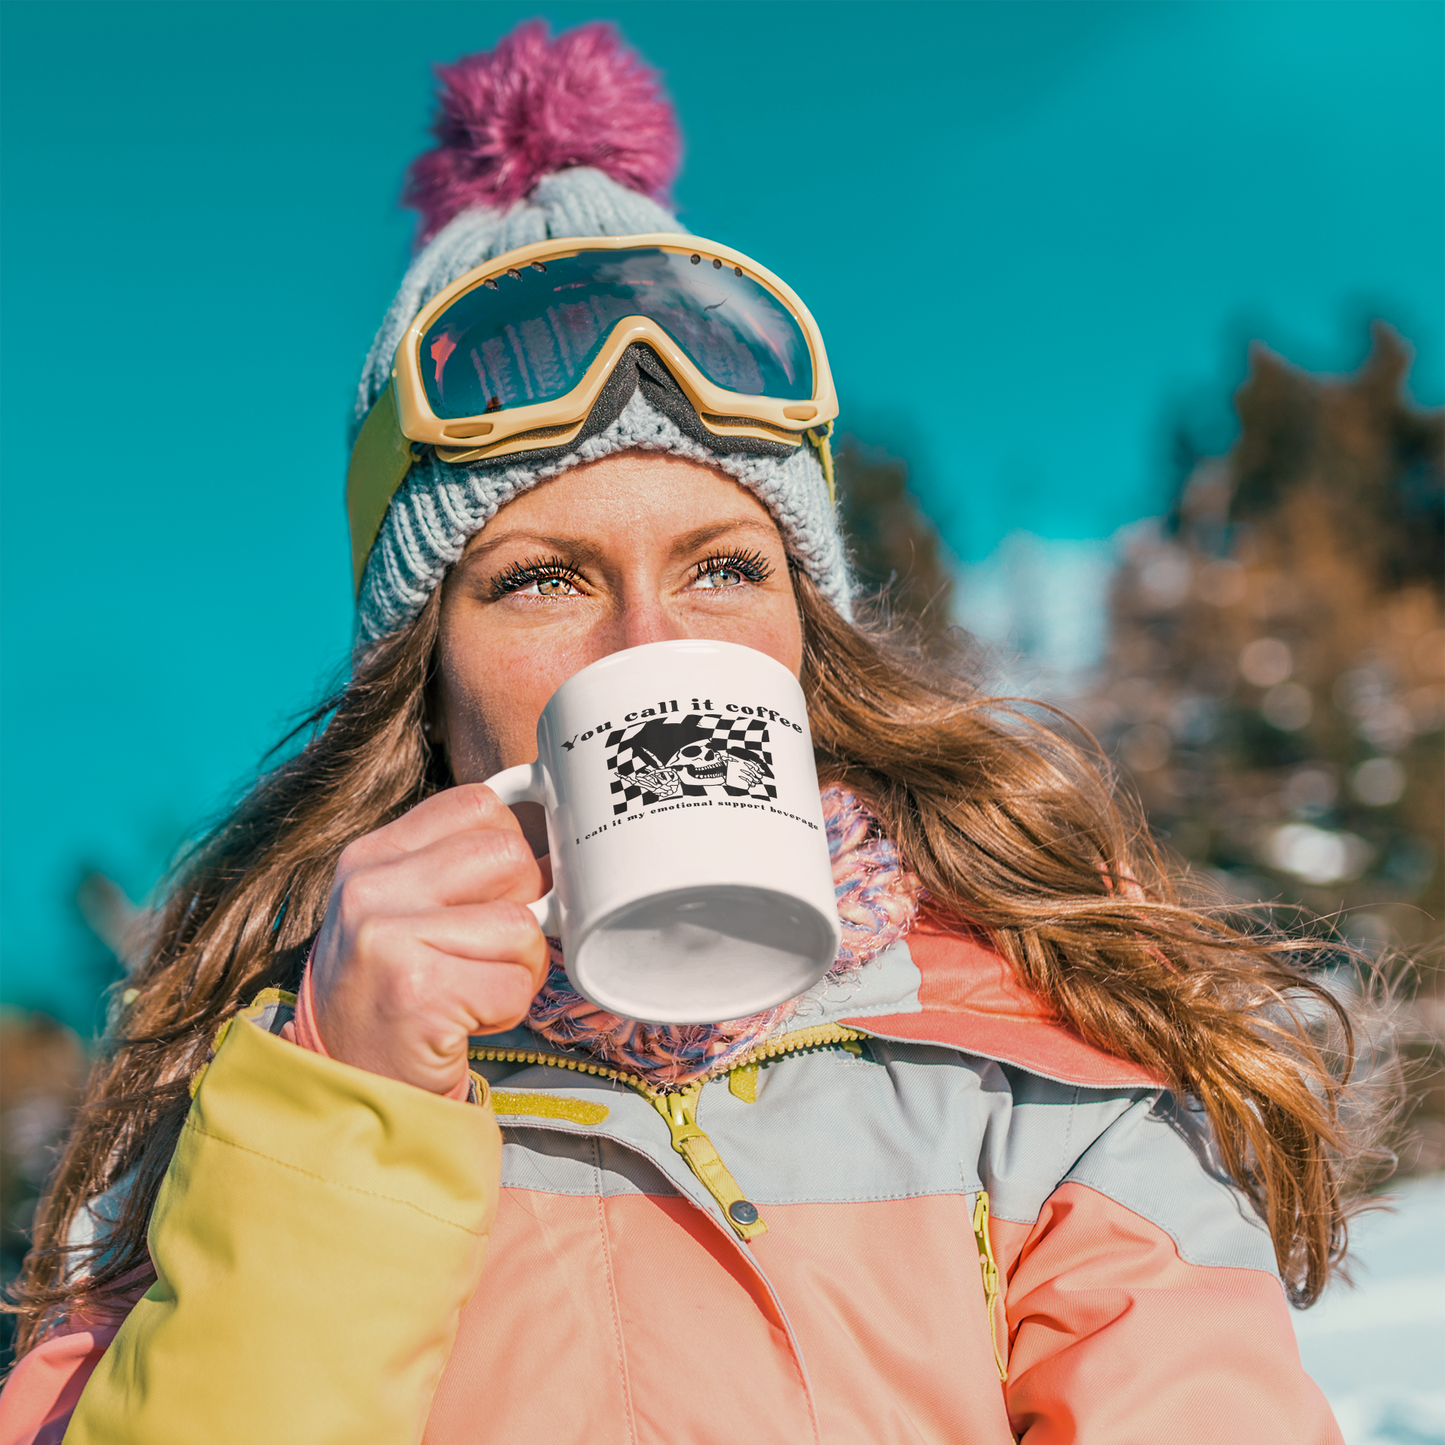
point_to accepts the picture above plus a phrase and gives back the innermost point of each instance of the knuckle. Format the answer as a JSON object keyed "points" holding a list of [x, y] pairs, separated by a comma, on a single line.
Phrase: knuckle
{"points": [[410, 984], [356, 855], [484, 804], [512, 850], [517, 923], [369, 938], [354, 899], [504, 857], [510, 990]]}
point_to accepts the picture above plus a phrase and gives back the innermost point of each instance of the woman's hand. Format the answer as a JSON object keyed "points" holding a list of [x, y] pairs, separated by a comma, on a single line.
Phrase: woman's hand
{"points": [[427, 940]]}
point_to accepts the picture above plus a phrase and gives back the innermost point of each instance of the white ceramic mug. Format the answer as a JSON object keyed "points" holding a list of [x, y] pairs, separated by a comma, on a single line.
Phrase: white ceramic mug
{"points": [[690, 867]]}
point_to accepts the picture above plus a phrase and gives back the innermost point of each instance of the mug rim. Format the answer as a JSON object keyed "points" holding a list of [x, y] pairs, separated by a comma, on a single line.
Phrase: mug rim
{"points": [[610, 997], [700, 645]]}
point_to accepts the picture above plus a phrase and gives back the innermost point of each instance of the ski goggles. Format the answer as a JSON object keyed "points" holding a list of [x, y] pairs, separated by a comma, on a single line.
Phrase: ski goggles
{"points": [[511, 357]]}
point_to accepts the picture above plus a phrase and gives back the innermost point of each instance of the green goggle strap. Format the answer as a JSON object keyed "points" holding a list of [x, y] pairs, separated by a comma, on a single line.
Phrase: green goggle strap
{"points": [[380, 461]]}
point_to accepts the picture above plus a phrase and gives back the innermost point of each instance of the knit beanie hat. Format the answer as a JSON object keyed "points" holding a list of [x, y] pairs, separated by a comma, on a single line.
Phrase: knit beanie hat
{"points": [[538, 139]]}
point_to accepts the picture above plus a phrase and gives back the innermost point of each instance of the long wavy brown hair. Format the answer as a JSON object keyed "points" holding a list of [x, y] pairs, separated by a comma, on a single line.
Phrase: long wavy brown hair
{"points": [[1014, 826]]}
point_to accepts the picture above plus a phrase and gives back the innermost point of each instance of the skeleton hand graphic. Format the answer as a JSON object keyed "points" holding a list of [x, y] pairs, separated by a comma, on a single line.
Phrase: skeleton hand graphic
{"points": [[743, 773], [662, 781]]}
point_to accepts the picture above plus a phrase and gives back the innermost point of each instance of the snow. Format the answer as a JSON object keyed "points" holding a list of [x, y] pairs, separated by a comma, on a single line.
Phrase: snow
{"points": [[1378, 1349], [1042, 604]]}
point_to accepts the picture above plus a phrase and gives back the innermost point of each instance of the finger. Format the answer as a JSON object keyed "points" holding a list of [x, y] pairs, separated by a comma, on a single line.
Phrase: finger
{"points": [[464, 997], [413, 1018], [482, 964], [502, 932], [461, 809], [473, 867]]}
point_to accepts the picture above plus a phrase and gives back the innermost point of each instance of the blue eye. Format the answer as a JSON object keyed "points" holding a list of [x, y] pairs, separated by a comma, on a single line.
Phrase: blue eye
{"points": [[546, 577], [732, 569], [721, 577]]}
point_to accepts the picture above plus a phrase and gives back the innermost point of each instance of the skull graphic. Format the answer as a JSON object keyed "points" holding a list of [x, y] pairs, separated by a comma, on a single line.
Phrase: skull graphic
{"points": [[700, 763], [689, 753]]}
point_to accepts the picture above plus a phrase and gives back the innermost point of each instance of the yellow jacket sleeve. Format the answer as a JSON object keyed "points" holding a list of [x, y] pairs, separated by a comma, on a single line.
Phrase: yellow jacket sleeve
{"points": [[315, 1239]]}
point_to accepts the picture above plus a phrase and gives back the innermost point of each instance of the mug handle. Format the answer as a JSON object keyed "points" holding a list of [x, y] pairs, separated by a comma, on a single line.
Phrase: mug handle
{"points": [[524, 784]]}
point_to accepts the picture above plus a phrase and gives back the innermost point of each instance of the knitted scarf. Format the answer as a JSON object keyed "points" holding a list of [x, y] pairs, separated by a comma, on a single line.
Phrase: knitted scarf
{"points": [[877, 903]]}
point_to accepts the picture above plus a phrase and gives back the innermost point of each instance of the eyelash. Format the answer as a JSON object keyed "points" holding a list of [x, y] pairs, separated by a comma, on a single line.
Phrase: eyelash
{"points": [[517, 575], [753, 565]]}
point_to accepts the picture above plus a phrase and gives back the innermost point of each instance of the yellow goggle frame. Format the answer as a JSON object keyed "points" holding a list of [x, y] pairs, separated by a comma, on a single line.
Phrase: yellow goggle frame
{"points": [[402, 414]]}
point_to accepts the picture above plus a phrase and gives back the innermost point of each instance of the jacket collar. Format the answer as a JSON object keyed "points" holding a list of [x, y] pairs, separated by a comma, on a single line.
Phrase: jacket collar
{"points": [[947, 987], [965, 995]]}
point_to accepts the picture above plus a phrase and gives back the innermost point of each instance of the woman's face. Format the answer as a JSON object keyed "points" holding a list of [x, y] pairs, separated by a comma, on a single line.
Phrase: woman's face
{"points": [[638, 547]]}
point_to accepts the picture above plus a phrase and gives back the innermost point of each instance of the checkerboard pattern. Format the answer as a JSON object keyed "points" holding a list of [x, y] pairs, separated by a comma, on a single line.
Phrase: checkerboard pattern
{"points": [[742, 736]]}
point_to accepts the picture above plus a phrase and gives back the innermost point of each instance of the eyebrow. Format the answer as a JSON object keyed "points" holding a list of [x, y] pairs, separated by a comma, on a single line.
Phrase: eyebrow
{"points": [[585, 552]]}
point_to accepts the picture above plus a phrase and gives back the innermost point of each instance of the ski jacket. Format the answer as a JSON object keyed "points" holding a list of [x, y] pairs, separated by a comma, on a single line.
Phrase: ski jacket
{"points": [[929, 1213]]}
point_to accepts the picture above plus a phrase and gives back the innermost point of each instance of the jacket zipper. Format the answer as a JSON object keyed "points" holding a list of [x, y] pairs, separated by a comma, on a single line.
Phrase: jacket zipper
{"points": [[678, 1107], [989, 1269]]}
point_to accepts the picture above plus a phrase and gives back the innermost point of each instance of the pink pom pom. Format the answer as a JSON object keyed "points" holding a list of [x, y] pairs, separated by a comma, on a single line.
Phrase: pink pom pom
{"points": [[534, 106]]}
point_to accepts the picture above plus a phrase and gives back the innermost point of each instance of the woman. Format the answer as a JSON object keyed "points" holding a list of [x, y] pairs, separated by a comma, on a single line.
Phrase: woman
{"points": [[1033, 1162]]}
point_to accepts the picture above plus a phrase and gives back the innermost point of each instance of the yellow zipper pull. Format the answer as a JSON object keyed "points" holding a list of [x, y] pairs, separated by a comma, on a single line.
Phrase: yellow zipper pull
{"points": [[680, 1112], [743, 1083], [989, 1270]]}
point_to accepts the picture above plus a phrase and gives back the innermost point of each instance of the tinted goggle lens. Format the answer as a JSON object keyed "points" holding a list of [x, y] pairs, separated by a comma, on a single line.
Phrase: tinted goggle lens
{"points": [[532, 338]]}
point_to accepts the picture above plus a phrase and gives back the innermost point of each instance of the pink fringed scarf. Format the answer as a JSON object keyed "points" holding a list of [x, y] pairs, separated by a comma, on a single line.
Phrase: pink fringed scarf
{"points": [[877, 903]]}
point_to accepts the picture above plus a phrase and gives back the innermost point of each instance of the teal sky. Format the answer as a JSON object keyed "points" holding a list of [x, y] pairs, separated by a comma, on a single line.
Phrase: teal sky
{"points": [[1035, 236]]}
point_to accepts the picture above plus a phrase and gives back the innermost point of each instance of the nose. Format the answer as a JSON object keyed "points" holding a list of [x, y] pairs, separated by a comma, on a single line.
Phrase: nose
{"points": [[644, 619]]}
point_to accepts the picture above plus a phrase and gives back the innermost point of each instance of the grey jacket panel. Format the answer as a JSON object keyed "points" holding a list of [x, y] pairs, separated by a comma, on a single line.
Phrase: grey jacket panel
{"points": [[904, 1121], [1156, 1162], [577, 1164]]}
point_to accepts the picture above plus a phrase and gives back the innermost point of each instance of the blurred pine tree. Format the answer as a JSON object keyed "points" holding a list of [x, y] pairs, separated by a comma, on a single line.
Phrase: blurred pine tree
{"points": [[1275, 685], [896, 550], [42, 1069]]}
